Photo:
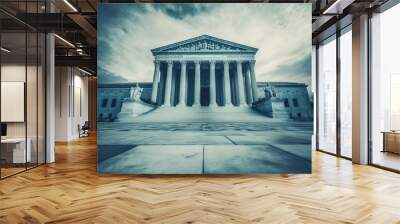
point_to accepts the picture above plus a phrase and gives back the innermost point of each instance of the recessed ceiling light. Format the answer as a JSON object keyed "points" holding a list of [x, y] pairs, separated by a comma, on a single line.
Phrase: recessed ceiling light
{"points": [[64, 40], [337, 7], [84, 71], [70, 5], [5, 50]]}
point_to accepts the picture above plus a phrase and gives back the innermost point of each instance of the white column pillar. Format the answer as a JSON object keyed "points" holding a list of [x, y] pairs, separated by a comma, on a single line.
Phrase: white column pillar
{"points": [[197, 84], [227, 85], [156, 79], [249, 94], [213, 89], [239, 79], [167, 97], [360, 90], [50, 92], [253, 81], [182, 85], [50, 98]]}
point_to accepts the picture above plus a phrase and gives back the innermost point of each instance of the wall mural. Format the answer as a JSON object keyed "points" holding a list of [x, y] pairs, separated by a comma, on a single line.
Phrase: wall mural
{"points": [[204, 88]]}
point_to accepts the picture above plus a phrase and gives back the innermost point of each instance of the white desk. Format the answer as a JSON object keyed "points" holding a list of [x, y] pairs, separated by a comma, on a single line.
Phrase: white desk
{"points": [[18, 149]]}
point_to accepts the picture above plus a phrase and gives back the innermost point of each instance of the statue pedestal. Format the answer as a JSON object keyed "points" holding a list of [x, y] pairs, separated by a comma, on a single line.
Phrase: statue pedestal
{"points": [[132, 108]]}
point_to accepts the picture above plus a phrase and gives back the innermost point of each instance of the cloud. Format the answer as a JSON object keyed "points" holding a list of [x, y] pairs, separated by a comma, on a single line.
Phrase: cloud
{"points": [[107, 77], [281, 32], [297, 70], [182, 11]]}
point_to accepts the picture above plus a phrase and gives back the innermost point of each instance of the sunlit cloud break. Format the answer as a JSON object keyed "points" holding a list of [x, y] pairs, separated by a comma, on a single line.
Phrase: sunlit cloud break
{"points": [[281, 32]]}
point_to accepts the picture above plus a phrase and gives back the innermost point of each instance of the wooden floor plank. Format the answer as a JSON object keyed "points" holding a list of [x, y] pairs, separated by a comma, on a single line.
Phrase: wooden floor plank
{"points": [[70, 191]]}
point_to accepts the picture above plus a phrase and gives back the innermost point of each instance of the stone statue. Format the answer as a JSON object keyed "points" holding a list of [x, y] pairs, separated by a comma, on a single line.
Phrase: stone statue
{"points": [[135, 93], [269, 92]]}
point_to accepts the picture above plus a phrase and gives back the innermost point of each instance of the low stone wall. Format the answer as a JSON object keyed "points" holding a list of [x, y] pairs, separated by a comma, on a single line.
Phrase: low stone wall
{"points": [[264, 107]]}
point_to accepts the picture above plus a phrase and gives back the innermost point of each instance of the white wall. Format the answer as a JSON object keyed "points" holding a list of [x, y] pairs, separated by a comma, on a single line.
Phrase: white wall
{"points": [[12, 73], [71, 102]]}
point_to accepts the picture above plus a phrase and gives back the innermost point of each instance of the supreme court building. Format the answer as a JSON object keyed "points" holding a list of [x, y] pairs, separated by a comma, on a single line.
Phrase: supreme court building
{"points": [[204, 71]]}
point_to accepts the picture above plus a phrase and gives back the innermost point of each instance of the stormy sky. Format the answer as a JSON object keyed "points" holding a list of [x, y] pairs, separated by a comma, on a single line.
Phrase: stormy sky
{"points": [[127, 33]]}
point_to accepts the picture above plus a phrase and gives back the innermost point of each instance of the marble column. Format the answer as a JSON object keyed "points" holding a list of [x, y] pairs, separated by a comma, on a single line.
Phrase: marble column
{"points": [[248, 86], [227, 85], [197, 87], [239, 73], [156, 79], [253, 81], [167, 96], [213, 88], [182, 85], [173, 87], [161, 87]]}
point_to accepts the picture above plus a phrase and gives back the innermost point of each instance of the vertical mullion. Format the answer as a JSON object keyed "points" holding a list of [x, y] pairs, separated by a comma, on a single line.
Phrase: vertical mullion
{"points": [[37, 89], [369, 78], [338, 76], [0, 92], [46, 35], [317, 96], [26, 86], [45, 95]]}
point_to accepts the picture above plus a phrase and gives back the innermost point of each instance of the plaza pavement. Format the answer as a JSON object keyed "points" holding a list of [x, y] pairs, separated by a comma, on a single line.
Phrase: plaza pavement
{"points": [[204, 147]]}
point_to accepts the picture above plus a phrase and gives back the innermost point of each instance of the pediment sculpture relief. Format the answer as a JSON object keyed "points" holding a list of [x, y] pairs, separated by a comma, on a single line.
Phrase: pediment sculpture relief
{"points": [[204, 45]]}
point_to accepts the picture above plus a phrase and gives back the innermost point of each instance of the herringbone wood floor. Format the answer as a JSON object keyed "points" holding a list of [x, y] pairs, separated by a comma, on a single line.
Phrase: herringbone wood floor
{"points": [[70, 191]]}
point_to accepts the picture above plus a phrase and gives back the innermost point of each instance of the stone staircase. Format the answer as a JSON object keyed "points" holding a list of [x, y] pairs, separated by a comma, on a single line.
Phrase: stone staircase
{"points": [[203, 114]]}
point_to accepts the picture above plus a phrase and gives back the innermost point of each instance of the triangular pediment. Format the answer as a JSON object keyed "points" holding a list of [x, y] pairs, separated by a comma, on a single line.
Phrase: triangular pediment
{"points": [[204, 43]]}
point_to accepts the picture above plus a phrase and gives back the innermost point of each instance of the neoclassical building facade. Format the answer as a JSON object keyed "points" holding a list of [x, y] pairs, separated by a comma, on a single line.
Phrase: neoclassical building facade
{"points": [[204, 71]]}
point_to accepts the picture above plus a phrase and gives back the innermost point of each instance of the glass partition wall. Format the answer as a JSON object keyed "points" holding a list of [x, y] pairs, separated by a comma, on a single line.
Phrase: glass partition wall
{"points": [[334, 94], [345, 62], [385, 89], [22, 98], [327, 95]]}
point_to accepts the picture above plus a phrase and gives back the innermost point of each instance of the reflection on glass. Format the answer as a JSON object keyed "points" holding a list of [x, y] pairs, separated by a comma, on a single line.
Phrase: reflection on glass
{"points": [[31, 99], [385, 84], [346, 94], [14, 153], [394, 102], [22, 92], [41, 98], [327, 96]]}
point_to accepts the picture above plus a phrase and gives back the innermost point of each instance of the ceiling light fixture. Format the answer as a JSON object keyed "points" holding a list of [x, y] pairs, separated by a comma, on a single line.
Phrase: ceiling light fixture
{"points": [[337, 7], [65, 41], [79, 51], [70, 5], [5, 50], [84, 71]]}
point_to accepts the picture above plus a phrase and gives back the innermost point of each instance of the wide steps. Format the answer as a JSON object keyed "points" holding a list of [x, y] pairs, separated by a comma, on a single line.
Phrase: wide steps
{"points": [[202, 114]]}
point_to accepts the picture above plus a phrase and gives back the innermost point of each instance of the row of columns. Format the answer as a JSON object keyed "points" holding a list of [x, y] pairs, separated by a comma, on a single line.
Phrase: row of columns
{"points": [[250, 82]]}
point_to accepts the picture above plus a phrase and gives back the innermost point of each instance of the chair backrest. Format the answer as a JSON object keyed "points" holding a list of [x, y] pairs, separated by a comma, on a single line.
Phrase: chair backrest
{"points": [[86, 125]]}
